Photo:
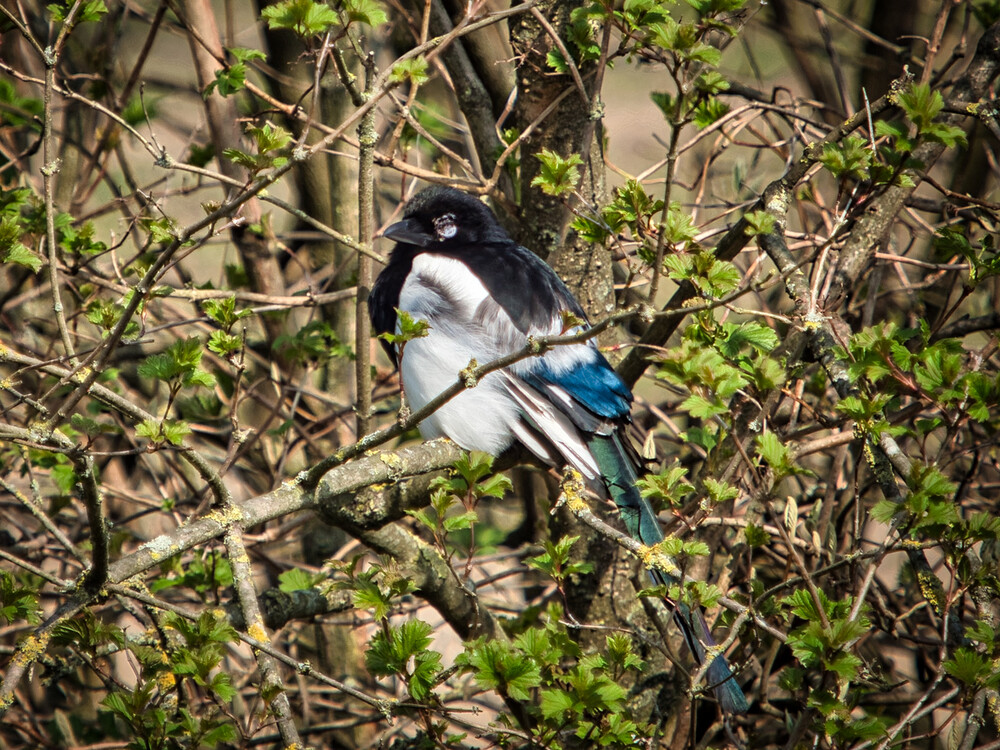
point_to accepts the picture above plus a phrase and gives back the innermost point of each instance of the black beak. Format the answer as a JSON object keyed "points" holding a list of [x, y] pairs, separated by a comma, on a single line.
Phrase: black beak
{"points": [[410, 232]]}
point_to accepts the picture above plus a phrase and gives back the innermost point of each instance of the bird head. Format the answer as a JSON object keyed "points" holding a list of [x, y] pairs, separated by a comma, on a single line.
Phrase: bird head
{"points": [[442, 218]]}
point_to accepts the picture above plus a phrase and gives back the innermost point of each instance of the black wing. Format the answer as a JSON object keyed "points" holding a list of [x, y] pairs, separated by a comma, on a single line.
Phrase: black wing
{"points": [[384, 299], [527, 289]]}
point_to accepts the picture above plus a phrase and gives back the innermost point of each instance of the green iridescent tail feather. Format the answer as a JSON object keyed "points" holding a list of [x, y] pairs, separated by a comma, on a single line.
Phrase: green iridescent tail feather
{"points": [[640, 521]]}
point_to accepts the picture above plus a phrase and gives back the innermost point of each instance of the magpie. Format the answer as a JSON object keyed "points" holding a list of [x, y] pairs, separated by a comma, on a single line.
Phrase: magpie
{"points": [[482, 295]]}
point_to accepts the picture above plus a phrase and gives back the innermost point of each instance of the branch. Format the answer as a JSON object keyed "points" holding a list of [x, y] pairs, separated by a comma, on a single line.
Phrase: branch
{"points": [[872, 224], [289, 498], [775, 199], [271, 683], [473, 98], [50, 169], [367, 138]]}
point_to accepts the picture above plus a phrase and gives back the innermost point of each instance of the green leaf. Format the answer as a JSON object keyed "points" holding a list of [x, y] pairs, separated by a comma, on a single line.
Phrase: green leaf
{"points": [[759, 222], [86, 12], [678, 225], [557, 562], [297, 579], [17, 603], [178, 365], [200, 155], [775, 453], [757, 336], [403, 651], [20, 112], [669, 487], [981, 630], [127, 705], [683, 40], [704, 53], [928, 480], [222, 685], [18, 253], [590, 230], [161, 231], [921, 104], [498, 666], [316, 341], [106, 314], [232, 79], [304, 17], [219, 735], [850, 158], [632, 208], [205, 574], [711, 82], [987, 12], [756, 536], [170, 431], [269, 137], [65, 477], [407, 328], [558, 704], [972, 668], [473, 466], [557, 175], [703, 408], [423, 517], [802, 604], [211, 627], [708, 8], [369, 595], [555, 60], [638, 14], [463, 521], [893, 129], [413, 70], [706, 438], [367, 12], [709, 111], [720, 492], [582, 36], [722, 277], [174, 432], [620, 651], [771, 448], [224, 344], [844, 665], [80, 241], [667, 104], [89, 427], [767, 374], [12, 200], [268, 140]]}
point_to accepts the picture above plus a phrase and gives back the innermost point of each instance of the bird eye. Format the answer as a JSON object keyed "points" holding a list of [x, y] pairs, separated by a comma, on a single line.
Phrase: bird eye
{"points": [[445, 227]]}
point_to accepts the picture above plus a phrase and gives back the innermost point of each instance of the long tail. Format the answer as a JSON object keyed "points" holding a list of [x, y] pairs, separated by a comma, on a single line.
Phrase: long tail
{"points": [[641, 523]]}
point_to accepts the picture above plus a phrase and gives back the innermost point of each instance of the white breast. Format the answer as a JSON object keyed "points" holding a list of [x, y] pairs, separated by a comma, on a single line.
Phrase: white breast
{"points": [[438, 286], [446, 294]]}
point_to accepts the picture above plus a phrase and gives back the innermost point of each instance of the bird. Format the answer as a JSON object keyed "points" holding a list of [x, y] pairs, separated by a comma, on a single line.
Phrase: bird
{"points": [[483, 296]]}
